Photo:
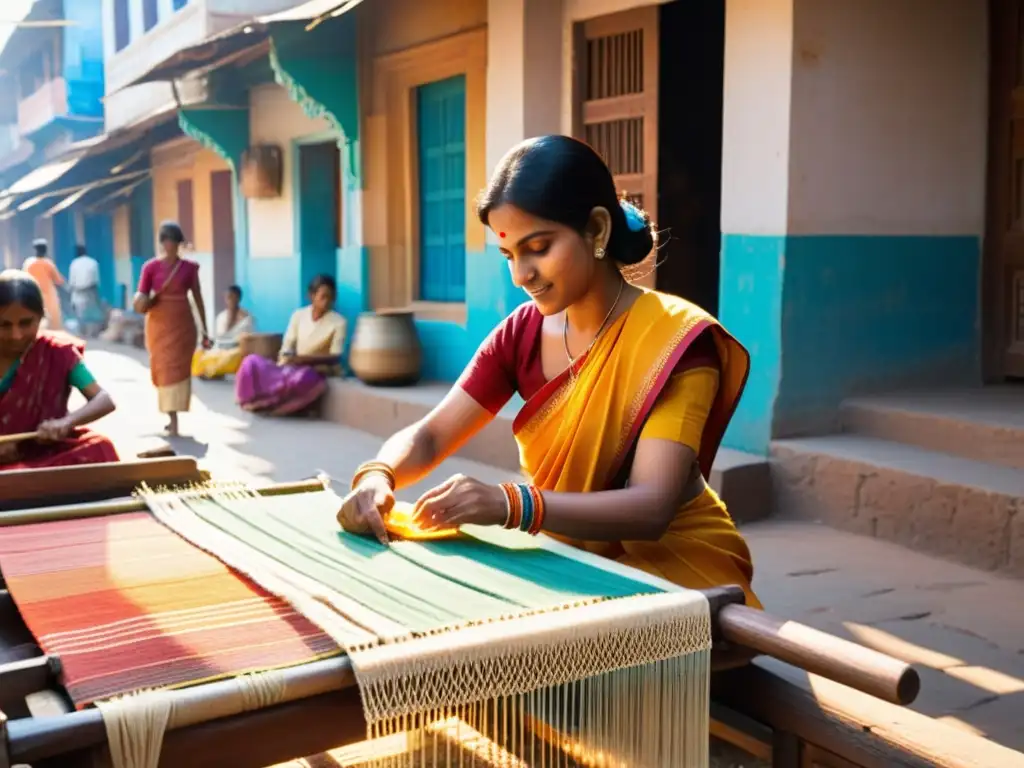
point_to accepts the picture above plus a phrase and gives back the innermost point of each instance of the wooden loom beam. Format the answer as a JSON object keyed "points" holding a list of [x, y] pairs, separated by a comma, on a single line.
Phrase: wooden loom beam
{"points": [[26, 488]]}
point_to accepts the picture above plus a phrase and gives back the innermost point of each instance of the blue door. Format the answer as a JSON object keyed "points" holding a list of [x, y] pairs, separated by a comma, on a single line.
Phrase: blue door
{"points": [[441, 115]]}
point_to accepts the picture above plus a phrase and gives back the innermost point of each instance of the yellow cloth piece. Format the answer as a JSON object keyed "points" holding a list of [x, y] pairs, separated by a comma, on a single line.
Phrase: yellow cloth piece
{"points": [[400, 524], [682, 408], [574, 436], [216, 363]]}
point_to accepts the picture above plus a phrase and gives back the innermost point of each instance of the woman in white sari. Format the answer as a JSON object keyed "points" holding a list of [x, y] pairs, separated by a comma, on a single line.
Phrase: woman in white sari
{"points": [[225, 357]]}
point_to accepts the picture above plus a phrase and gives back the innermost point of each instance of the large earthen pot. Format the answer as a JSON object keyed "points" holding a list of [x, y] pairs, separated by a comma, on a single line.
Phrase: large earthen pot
{"points": [[386, 350], [266, 345]]}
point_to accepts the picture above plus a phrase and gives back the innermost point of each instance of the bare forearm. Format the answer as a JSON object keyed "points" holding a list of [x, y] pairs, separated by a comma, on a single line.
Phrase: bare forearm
{"points": [[92, 411], [631, 514], [411, 453]]}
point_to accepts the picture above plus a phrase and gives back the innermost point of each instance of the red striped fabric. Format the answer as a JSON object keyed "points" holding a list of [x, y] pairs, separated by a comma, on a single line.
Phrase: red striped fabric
{"points": [[128, 604]]}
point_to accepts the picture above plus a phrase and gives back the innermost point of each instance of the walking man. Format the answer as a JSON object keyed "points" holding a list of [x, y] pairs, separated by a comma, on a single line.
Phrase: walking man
{"points": [[84, 284], [49, 277]]}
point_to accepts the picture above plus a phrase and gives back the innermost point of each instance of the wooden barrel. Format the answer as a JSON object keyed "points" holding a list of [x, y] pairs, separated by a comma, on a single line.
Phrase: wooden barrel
{"points": [[266, 345], [386, 349]]}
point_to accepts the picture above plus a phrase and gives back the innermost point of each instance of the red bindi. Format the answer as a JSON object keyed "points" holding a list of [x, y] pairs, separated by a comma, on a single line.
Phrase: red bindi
{"points": [[501, 234]]}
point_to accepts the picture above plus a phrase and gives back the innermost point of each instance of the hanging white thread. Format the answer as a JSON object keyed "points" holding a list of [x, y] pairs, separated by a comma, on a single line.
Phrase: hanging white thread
{"points": [[135, 727]]}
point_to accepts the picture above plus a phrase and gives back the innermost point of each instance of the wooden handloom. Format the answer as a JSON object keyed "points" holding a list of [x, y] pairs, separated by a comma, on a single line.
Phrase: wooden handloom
{"points": [[853, 719]]}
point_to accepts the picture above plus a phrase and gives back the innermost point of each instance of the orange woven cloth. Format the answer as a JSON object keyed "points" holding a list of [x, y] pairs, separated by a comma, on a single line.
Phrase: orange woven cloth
{"points": [[127, 604]]}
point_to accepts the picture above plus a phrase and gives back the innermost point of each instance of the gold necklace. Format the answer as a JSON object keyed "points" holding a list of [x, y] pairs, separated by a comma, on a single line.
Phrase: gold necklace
{"points": [[565, 333]]}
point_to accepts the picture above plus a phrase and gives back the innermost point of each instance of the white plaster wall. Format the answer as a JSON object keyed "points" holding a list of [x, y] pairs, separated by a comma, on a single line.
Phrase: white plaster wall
{"points": [[889, 117], [756, 116], [275, 119], [523, 93]]}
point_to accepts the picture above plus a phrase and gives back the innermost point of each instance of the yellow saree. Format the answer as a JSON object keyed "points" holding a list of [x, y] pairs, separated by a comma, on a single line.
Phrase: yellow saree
{"points": [[578, 437]]}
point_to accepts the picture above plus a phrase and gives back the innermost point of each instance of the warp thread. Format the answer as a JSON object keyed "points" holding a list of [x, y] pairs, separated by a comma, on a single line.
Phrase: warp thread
{"points": [[136, 723]]}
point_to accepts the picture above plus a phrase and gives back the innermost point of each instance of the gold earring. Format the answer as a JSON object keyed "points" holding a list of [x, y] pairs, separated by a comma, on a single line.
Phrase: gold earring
{"points": [[599, 252]]}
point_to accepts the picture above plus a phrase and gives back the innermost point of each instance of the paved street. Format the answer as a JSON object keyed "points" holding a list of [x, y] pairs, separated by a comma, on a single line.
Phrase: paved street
{"points": [[963, 628]]}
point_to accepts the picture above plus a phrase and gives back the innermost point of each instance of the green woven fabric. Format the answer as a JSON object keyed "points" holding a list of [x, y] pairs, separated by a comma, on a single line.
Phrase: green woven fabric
{"points": [[421, 586]]}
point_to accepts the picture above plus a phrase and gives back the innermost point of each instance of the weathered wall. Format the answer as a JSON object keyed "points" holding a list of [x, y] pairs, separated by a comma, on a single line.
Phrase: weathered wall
{"points": [[853, 204]]}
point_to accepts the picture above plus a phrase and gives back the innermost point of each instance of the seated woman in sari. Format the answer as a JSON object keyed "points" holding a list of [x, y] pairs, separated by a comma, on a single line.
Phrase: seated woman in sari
{"points": [[38, 369], [628, 392], [225, 356], [310, 352]]}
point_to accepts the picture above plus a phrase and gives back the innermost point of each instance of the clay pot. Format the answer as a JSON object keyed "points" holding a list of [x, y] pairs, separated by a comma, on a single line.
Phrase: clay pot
{"points": [[266, 345], [386, 350]]}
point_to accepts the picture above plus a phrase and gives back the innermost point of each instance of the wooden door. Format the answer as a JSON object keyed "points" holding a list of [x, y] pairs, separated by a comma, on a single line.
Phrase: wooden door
{"points": [[222, 209], [616, 98], [187, 211], [319, 212], [441, 134], [1004, 268]]}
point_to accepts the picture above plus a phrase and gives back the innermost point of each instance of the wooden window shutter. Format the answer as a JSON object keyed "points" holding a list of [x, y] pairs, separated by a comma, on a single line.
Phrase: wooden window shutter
{"points": [[615, 96]]}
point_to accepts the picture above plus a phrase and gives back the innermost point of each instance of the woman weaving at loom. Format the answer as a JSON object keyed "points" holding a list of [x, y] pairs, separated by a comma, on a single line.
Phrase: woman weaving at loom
{"points": [[628, 392], [37, 372]]}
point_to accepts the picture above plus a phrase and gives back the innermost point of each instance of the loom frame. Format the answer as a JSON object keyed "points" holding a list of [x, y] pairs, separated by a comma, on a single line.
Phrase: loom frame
{"points": [[754, 707]]}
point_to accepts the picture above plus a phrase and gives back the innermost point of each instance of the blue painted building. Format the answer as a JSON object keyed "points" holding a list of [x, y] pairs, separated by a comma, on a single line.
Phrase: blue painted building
{"points": [[51, 77]]}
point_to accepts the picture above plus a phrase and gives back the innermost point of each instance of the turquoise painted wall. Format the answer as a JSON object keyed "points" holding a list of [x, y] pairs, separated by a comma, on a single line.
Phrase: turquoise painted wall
{"points": [[99, 242], [490, 298], [830, 317]]}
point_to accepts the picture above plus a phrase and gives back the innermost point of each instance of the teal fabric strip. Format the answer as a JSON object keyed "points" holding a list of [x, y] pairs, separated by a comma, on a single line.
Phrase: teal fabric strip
{"points": [[422, 586]]}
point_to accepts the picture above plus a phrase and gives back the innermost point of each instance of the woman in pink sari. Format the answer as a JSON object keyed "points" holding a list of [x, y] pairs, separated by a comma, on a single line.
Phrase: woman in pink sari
{"points": [[310, 352], [165, 288], [37, 373]]}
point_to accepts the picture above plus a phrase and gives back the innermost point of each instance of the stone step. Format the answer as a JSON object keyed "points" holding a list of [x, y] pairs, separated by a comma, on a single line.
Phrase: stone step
{"points": [[985, 424], [966, 510], [743, 480]]}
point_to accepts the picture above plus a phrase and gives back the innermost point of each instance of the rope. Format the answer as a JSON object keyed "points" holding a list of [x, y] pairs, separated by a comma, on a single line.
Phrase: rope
{"points": [[262, 689]]}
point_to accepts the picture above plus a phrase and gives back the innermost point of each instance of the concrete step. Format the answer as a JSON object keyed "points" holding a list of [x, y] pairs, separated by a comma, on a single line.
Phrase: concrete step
{"points": [[966, 510], [743, 480], [985, 424]]}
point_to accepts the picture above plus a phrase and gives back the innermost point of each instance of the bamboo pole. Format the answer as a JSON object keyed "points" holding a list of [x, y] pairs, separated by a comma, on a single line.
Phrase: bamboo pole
{"points": [[20, 437], [819, 653], [124, 505]]}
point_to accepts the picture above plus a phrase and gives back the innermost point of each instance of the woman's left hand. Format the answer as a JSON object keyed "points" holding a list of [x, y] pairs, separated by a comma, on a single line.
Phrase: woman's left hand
{"points": [[55, 430], [461, 500]]}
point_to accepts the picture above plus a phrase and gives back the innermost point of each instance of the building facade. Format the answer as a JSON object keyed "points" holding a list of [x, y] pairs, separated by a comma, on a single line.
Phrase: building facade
{"points": [[833, 178], [51, 75]]}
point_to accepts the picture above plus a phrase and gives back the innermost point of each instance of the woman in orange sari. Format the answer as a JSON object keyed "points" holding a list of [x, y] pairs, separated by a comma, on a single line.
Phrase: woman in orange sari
{"points": [[165, 287], [628, 392]]}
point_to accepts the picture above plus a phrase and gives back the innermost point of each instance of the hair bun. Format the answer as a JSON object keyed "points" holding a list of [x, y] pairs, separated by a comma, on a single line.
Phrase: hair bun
{"points": [[638, 239]]}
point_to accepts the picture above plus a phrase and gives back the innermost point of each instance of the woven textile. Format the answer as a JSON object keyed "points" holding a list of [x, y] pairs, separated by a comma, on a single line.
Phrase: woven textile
{"points": [[494, 633], [127, 604]]}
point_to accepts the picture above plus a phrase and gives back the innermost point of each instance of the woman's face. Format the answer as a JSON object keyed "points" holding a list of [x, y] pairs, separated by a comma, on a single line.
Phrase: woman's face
{"points": [[322, 299], [553, 263], [170, 246], [18, 329]]}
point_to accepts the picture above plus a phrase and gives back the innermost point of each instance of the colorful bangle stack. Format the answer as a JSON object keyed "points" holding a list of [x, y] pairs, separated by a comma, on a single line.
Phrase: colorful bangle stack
{"points": [[525, 505], [374, 467]]}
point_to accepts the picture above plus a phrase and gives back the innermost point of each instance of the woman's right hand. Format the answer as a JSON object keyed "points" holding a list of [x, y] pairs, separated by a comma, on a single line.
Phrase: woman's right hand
{"points": [[363, 509], [8, 453]]}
